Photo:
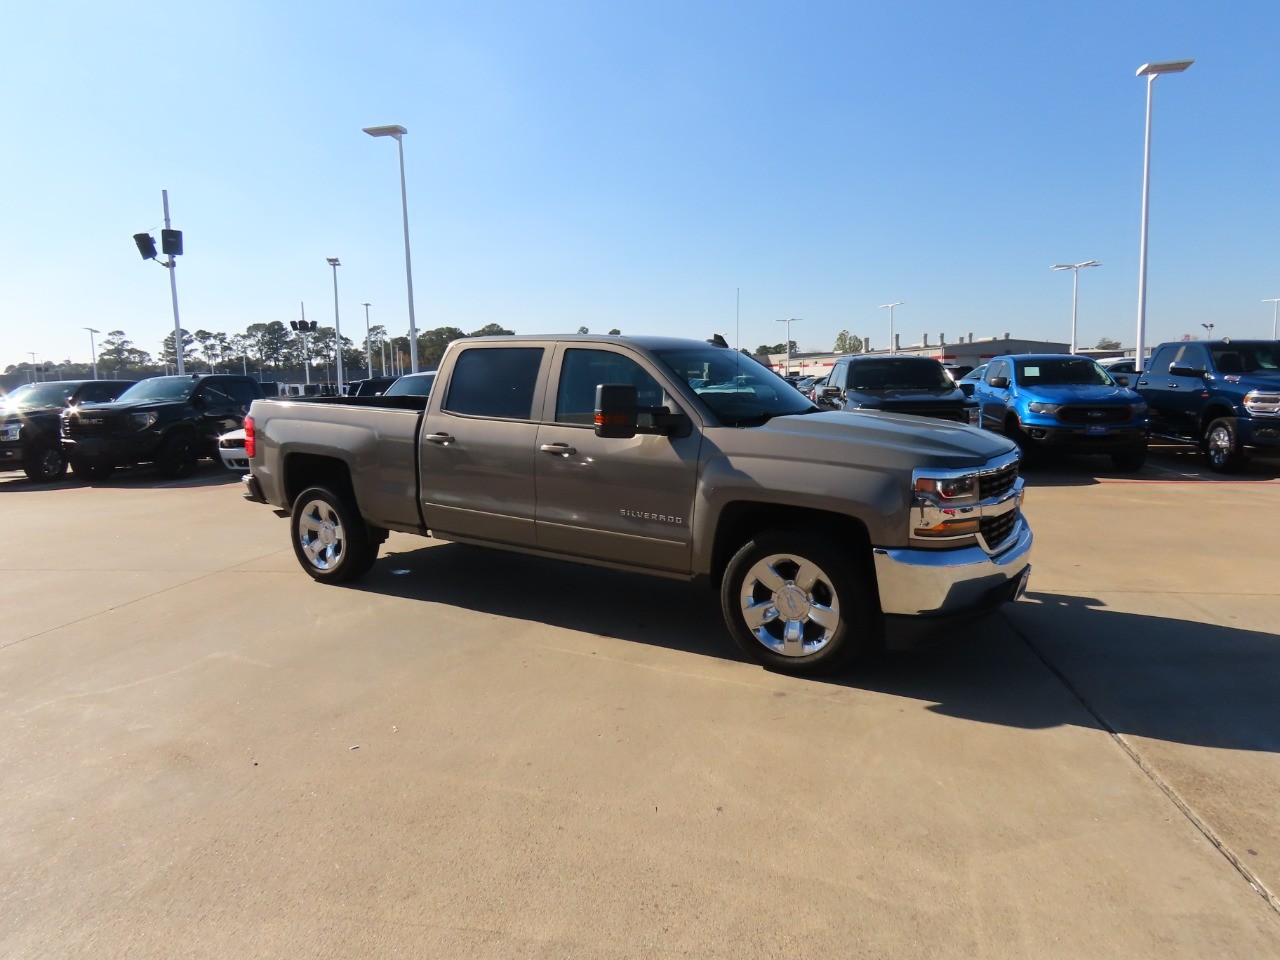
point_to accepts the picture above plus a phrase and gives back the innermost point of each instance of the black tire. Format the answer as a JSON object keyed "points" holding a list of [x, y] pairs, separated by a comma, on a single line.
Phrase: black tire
{"points": [[45, 463], [178, 456], [330, 538], [1222, 447], [840, 589], [1131, 459], [91, 470]]}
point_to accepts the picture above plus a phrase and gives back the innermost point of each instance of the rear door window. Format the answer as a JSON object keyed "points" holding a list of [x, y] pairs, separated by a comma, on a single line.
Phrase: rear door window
{"points": [[494, 382]]}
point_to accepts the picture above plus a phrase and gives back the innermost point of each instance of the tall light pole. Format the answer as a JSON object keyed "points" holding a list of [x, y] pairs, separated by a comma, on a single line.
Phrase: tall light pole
{"points": [[337, 327], [368, 347], [893, 341], [789, 321], [1075, 290], [1208, 327], [1150, 71], [397, 131], [1275, 312], [303, 329], [93, 349], [35, 374]]}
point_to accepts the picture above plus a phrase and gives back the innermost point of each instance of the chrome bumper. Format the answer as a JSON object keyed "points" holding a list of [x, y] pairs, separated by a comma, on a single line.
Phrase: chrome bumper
{"points": [[943, 582]]}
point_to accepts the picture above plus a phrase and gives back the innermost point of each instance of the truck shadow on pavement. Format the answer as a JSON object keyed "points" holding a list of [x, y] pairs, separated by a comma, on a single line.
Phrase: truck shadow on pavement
{"points": [[1049, 660], [1166, 463], [126, 478]]}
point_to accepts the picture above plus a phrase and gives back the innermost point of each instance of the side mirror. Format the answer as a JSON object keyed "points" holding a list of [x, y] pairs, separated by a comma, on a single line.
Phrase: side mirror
{"points": [[616, 411], [1122, 379], [966, 388], [998, 383], [1183, 370]]}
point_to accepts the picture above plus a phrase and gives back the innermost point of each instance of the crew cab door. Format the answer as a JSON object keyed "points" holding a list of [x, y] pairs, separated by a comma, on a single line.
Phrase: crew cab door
{"points": [[993, 402], [623, 500], [478, 441], [1175, 400]]}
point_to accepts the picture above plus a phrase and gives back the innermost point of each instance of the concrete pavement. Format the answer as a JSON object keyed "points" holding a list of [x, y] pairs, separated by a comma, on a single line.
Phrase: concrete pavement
{"points": [[473, 754]]}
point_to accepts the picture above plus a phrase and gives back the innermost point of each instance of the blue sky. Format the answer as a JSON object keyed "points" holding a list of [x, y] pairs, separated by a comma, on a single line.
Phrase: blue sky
{"points": [[634, 165]]}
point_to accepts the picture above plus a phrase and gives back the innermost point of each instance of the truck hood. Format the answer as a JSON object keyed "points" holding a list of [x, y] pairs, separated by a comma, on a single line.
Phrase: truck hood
{"points": [[868, 436], [1256, 380], [889, 398], [134, 406], [1080, 393]]}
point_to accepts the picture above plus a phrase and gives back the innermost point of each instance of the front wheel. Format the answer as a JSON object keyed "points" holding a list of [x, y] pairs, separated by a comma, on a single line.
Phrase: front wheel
{"points": [[45, 463], [330, 538], [1222, 446], [178, 457], [797, 603]]}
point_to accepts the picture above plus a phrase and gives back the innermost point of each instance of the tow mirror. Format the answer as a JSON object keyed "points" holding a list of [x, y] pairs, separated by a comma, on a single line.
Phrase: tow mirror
{"points": [[616, 411]]}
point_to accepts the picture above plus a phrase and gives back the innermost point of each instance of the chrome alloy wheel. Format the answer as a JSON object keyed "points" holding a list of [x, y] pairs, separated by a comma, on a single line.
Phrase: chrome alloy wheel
{"points": [[1220, 445], [790, 605], [321, 535]]}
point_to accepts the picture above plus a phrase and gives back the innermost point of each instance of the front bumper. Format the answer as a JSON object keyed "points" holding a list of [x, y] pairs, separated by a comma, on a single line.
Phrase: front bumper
{"points": [[12, 455], [1081, 440], [119, 451], [1259, 431], [936, 589]]}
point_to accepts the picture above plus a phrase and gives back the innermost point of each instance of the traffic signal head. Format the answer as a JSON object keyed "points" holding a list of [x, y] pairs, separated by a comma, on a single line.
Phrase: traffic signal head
{"points": [[146, 245], [171, 242]]}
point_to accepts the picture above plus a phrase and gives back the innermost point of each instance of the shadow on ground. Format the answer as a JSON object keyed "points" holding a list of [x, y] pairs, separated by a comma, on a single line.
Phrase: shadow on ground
{"points": [[1166, 462], [1156, 677], [207, 474]]}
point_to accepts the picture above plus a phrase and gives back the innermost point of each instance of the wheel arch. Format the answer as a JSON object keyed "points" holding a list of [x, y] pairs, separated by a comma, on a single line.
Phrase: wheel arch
{"points": [[742, 519], [1216, 410], [303, 470]]}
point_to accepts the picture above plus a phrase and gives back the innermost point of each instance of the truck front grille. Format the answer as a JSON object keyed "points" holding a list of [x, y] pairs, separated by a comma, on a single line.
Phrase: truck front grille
{"points": [[89, 424], [991, 486], [1109, 414], [996, 530]]}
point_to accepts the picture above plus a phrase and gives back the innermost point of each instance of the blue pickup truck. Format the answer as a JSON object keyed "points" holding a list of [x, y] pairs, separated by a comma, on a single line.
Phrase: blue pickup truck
{"points": [[1223, 395], [1063, 402]]}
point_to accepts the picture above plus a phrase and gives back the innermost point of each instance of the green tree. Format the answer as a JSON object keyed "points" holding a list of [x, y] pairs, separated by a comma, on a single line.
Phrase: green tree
{"points": [[615, 332], [776, 348], [269, 342], [583, 330], [168, 354], [1106, 343], [847, 343], [432, 344], [492, 330], [118, 354]]}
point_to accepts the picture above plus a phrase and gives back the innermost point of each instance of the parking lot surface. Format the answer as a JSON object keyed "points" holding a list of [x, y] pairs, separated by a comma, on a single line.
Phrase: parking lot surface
{"points": [[476, 754]]}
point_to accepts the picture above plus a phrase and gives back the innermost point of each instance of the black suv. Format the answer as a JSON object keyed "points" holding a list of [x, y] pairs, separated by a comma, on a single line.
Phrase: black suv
{"points": [[29, 422], [897, 384], [169, 421]]}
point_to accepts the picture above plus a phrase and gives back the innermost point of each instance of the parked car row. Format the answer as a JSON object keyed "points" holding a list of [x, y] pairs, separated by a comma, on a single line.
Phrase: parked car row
{"points": [[95, 426]]}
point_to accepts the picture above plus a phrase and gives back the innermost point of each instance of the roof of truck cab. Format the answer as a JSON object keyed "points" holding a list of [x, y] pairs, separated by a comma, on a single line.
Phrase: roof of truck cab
{"points": [[647, 342]]}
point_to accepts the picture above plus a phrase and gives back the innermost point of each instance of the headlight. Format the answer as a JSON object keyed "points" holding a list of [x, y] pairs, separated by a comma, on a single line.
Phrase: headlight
{"points": [[12, 431], [952, 492], [143, 420], [1262, 404], [1049, 409]]}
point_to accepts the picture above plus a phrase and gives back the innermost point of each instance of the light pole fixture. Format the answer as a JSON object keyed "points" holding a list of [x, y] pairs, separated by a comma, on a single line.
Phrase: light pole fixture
{"points": [[368, 347], [789, 321], [1275, 311], [303, 329], [93, 349], [35, 373], [1150, 71], [337, 326], [398, 132], [1075, 290], [893, 340], [1208, 330]]}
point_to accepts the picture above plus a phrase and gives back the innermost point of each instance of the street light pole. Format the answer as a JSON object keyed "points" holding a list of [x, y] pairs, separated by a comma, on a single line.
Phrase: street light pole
{"points": [[35, 374], [893, 340], [368, 347], [1208, 330], [337, 327], [173, 294], [93, 349], [1275, 312], [1075, 290], [398, 132], [1150, 71], [789, 321]]}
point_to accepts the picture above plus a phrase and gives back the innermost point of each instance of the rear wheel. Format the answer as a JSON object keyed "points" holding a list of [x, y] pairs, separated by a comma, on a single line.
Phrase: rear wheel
{"points": [[330, 538], [177, 457], [45, 463], [91, 469], [798, 604], [1222, 446]]}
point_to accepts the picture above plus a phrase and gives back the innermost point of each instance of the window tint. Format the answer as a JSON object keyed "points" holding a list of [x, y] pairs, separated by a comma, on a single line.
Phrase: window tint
{"points": [[1161, 359], [215, 394], [1191, 355], [100, 392], [582, 371], [241, 392], [494, 382], [997, 369]]}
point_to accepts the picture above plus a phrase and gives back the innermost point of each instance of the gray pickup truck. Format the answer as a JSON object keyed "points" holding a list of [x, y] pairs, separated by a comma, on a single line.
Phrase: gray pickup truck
{"points": [[828, 534]]}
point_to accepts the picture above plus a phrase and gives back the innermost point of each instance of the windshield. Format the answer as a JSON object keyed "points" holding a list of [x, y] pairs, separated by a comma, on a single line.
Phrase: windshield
{"points": [[1062, 372], [737, 389], [1254, 356], [413, 385], [31, 396], [898, 373], [160, 388]]}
